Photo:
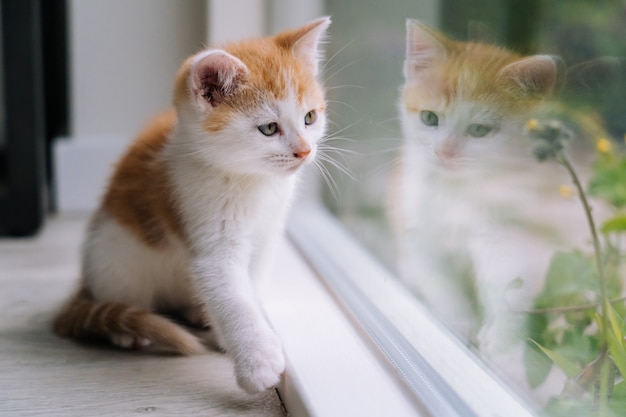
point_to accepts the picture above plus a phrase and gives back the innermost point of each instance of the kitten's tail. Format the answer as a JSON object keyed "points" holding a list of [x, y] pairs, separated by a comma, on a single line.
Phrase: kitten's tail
{"points": [[83, 318]]}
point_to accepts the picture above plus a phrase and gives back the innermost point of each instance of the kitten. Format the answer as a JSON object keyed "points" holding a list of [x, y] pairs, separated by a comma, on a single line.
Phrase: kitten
{"points": [[192, 211], [467, 190]]}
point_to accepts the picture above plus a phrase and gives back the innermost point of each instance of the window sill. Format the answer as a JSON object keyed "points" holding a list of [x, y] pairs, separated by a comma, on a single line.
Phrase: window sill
{"points": [[330, 372], [335, 366]]}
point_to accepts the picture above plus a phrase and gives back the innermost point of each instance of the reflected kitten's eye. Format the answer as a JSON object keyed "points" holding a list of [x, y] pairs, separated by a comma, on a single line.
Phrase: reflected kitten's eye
{"points": [[477, 130], [310, 117], [429, 118], [269, 129]]}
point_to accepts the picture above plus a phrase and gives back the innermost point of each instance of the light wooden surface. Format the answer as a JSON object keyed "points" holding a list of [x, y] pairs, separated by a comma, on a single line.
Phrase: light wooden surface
{"points": [[43, 375]]}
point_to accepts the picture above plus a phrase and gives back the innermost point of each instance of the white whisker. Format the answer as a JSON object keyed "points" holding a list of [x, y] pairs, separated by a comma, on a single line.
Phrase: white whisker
{"points": [[344, 129], [329, 77], [337, 52], [344, 104], [337, 165], [331, 184], [336, 87]]}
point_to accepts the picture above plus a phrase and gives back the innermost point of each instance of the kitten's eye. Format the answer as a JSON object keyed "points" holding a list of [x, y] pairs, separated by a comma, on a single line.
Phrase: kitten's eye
{"points": [[477, 130], [269, 129], [429, 118], [310, 117]]}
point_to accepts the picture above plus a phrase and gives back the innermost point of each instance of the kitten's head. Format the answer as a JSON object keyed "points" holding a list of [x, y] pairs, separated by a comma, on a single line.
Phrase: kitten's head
{"points": [[256, 106], [463, 101]]}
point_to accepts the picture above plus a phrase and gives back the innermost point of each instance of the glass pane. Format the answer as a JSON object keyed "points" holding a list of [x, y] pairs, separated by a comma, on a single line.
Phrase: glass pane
{"points": [[485, 149]]}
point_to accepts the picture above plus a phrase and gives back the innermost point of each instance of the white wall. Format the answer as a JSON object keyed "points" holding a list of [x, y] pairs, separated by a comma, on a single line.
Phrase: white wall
{"points": [[289, 14], [230, 20], [123, 58], [124, 55]]}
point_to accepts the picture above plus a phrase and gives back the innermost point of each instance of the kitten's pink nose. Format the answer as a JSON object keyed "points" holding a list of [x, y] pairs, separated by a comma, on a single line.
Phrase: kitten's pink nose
{"points": [[303, 150], [445, 152], [302, 153]]}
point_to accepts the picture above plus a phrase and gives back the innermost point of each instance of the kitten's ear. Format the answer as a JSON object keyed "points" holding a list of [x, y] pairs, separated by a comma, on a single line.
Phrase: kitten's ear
{"points": [[535, 75], [424, 46], [305, 41], [215, 75]]}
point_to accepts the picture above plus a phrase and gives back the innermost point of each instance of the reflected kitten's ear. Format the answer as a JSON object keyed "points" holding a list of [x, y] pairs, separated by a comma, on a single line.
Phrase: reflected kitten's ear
{"points": [[424, 46], [535, 75], [215, 74], [305, 41]]}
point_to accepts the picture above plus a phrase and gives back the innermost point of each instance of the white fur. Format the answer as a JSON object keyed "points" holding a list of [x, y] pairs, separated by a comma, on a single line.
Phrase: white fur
{"points": [[134, 273], [234, 208], [235, 187]]}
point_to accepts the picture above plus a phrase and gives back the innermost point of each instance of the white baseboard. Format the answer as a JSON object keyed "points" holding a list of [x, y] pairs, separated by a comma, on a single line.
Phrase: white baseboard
{"points": [[82, 167]]}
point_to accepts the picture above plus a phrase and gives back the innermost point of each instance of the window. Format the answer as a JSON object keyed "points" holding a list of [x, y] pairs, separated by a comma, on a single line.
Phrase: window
{"points": [[473, 188]]}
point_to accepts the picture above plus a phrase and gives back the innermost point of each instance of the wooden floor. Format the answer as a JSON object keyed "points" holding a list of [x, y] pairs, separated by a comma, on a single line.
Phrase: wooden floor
{"points": [[43, 375]]}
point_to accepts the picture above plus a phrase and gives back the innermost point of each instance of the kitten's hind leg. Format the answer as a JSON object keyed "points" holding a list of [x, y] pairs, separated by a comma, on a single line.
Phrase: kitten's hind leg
{"points": [[196, 317]]}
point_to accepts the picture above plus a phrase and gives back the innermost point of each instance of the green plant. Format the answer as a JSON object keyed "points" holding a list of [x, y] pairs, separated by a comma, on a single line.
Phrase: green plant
{"points": [[577, 322]]}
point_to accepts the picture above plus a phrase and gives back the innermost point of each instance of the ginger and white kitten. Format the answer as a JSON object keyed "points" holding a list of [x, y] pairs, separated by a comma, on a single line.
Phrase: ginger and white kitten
{"points": [[467, 190], [194, 206]]}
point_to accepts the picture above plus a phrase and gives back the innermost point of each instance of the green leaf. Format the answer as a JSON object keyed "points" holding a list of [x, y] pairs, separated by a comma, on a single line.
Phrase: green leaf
{"points": [[570, 277], [617, 348], [570, 368], [536, 365], [577, 346], [616, 224], [618, 353], [617, 324]]}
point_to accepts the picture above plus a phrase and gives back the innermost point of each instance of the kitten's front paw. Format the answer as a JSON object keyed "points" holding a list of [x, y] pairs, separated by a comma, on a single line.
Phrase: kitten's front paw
{"points": [[259, 365]]}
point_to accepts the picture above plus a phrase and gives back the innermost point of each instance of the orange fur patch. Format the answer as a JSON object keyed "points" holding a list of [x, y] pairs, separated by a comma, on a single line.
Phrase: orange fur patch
{"points": [[470, 72], [139, 195]]}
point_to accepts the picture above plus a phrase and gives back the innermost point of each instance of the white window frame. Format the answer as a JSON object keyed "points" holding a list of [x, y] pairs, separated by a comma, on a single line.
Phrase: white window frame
{"points": [[357, 343]]}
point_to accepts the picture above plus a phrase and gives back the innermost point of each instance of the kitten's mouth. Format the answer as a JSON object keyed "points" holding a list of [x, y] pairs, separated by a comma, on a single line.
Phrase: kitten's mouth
{"points": [[449, 164], [289, 166], [296, 165]]}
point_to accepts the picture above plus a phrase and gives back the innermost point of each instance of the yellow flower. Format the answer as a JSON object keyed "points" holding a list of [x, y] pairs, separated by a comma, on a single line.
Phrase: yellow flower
{"points": [[603, 145], [566, 191], [532, 124]]}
